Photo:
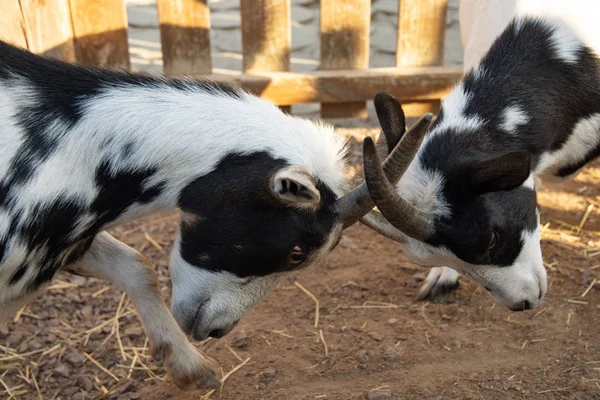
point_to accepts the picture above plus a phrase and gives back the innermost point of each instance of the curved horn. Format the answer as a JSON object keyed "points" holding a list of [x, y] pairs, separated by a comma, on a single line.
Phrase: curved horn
{"points": [[394, 208], [354, 205], [391, 118]]}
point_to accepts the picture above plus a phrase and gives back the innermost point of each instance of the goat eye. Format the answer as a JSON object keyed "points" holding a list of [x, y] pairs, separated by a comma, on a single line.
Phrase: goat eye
{"points": [[297, 255], [493, 240]]}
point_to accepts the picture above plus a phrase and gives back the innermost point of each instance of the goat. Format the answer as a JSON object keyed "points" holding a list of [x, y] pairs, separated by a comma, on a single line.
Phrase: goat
{"points": [[84, 149], [554, 124], [528, 105]]}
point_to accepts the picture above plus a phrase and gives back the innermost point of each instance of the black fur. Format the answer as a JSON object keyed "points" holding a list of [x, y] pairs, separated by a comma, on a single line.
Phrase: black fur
{"points": [[520, 69], [241, 228], [59, 92]]}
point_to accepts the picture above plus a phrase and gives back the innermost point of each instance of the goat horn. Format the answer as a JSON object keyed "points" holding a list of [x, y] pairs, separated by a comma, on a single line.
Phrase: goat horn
{"points": [[355, 204], [395, 209]]}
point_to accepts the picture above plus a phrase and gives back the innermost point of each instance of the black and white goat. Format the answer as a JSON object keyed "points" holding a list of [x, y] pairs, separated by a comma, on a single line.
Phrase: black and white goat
{"points": [[84, 149], [529, 105]]}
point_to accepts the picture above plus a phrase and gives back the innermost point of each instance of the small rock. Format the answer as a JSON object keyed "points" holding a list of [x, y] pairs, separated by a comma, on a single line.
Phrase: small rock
{"points": [[78, 280], [75, 358], [78, 396], [444, 327], [14, 339], [240, 340], [446, 317], [267, 375], [332, 265], [87, 311], [377, 395], [85, 383], [357, 295], [390, 354], [34, 344], [362, 356], [377, 336], [63, 371], [4, 332], [347, 244], [357, 328], [127, 386], [134, 331], [69, 392], [392, 321]]}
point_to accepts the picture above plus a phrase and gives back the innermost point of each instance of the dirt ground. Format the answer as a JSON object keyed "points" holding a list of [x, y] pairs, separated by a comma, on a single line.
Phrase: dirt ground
{"points": [[373, 341]]}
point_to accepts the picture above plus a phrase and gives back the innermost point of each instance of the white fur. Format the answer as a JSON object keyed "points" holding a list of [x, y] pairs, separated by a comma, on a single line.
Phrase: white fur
{"points": [[185, 133], [454, 113], [585, 136], [513, 117]]}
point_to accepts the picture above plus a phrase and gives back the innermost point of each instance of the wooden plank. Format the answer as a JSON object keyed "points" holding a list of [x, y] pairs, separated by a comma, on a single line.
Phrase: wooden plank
{"points": [[431, 83], [421, 36], [100, 29], [266, 36], [48, 28], [185, 36], [345, 31], [11, 22]]}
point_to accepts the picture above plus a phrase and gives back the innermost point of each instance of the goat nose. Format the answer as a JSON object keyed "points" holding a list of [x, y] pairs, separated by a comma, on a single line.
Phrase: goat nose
{"points": [[217, 333], [522, 306]]}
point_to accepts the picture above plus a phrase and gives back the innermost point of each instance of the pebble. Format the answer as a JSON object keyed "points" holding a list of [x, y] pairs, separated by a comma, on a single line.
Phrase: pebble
{"points": [[4, 332], [14, 339], [87, 311], [332, 265], [267, 375], [85, 383], [379, 395], [75, 358], [357, 295], [357, 328], [362, 356], [134, 331], [377, 336], [240, 340], [63, 371], [35, 344], [392, 321], [69, 392], [347, 244], [78, 396], [446, 317], [390, 354]]}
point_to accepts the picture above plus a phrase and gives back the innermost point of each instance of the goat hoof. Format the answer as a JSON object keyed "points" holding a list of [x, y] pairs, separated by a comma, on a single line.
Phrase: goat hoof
{"points": [[192, 370], [438, 285]]}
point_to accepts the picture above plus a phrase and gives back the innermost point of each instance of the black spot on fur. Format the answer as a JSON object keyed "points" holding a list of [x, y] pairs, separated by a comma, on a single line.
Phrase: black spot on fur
{"points": [[19, 273], [521, 69], [245, 213], [59, 92], [118, 190]]}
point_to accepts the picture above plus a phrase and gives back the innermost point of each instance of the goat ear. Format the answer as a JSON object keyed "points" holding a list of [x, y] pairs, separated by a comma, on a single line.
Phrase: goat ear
{"points": [[504, 172], [294, 186]]}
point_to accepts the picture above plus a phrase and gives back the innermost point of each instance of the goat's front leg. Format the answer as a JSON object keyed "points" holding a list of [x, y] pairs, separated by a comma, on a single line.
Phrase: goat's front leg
{"points": [[111, 260]]}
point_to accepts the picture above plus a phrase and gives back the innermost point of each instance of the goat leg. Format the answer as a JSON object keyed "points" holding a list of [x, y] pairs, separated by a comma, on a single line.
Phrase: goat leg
{"points": [[113, 261]]}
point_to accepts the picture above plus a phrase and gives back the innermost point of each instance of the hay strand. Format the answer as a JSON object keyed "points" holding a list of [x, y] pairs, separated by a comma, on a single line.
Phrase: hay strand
{"points": [[316, 301], [589, 288]]}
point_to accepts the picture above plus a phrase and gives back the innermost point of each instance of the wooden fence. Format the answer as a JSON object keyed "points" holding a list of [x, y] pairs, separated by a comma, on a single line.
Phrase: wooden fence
{"points": [[94, 32]]}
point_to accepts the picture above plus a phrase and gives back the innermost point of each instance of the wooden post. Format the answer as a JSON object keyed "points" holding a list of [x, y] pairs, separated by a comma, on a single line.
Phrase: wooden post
{"points": [[266, 36], [100, 29], [48, 28], [185, 36], [421, 35], [345, 31], [12, 28]]}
